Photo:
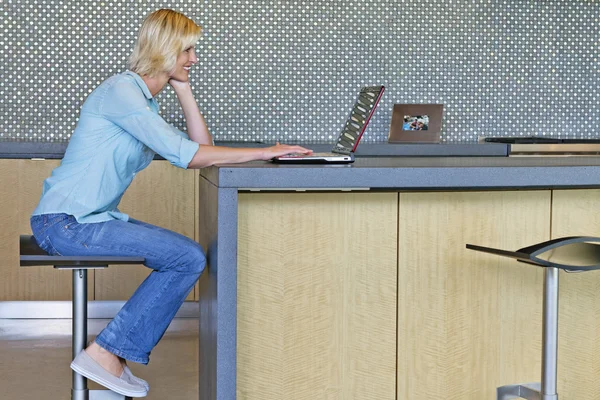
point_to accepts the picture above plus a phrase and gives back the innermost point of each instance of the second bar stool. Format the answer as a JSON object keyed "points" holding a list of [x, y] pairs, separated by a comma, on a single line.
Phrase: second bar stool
{"points": [[572, 254]]}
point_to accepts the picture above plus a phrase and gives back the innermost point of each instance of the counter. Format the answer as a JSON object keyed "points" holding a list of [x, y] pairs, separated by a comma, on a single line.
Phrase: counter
{"points": [[414, 173], [352, 281]]}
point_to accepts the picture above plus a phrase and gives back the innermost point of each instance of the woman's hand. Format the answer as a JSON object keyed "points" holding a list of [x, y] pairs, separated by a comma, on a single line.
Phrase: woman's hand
{"points": [[283, 149], [179, 85], [211, 155]]}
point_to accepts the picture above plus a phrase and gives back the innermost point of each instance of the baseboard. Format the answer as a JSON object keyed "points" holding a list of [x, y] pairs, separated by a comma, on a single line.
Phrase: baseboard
{"points": [[63, 310]]}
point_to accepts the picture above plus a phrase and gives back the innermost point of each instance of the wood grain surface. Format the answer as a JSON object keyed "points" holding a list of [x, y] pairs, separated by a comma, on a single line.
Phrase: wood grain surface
{"points": [[317, 296], [575, 213], [467, 321]]}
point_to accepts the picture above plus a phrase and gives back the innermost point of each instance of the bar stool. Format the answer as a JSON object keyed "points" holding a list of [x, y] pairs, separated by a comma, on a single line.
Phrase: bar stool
{"points": [[572, 254], [32, 255]]}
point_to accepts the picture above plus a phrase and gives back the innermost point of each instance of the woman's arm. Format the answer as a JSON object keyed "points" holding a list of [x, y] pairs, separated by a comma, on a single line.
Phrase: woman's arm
{"points": [[210, 155], [207, 153], [196, 126]]}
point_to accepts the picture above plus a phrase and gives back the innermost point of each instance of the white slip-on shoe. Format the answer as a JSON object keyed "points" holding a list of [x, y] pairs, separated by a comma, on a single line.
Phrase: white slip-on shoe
{"points": [[130, 375], [85, 365], [135, 379]]}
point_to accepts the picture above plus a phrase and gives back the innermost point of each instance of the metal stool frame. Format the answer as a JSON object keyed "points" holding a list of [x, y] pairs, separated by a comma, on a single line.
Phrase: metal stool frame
{"points": [[572, 254], [32, 255]]}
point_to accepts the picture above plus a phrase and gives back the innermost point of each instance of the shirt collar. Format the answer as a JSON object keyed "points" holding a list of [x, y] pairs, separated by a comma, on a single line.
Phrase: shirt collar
{"points": [[141, 84]]}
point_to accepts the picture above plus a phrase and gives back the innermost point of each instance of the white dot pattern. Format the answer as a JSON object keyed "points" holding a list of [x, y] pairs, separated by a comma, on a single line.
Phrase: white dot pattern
{"points": [[291, 70]]}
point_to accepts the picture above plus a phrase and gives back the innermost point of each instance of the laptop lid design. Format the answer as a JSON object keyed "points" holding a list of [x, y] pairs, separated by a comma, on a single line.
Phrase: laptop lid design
{"points": [[358, 120], [349, 138]]}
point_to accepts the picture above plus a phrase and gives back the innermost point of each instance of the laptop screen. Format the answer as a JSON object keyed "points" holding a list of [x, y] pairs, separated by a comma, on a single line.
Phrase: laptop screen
{"points": [[359, 118]]}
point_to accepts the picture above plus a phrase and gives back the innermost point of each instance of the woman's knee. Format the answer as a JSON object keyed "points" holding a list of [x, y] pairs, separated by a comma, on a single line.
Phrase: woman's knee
{"points": [[193, 261]]}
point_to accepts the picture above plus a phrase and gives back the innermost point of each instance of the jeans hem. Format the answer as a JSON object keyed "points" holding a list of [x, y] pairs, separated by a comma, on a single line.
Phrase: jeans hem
{"points": [[119, 353]]}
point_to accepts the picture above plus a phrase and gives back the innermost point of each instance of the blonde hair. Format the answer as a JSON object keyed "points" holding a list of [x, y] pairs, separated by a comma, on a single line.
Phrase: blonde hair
{"points": [[164, 34]]}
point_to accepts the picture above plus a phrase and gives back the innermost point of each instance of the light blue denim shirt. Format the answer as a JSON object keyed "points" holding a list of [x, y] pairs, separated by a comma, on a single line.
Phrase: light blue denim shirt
{"points": [[118, 133]]}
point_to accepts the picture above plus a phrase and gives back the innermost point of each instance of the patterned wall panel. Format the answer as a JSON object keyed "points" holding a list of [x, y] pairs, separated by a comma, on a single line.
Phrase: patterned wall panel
{"points": [[290, 70]]}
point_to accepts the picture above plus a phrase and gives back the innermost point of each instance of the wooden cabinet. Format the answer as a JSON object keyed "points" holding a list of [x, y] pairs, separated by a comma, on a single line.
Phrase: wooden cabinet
{"points": [[20, 190], [322, 313], [317, 296], [161, 194], [467, 321]]}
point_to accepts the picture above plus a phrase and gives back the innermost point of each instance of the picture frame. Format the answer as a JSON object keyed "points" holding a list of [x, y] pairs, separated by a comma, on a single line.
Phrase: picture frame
{"points": [[416, 123]]}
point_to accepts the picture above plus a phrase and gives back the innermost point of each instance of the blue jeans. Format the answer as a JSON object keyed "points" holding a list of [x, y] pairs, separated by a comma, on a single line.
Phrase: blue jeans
{"points": [[176, 260]]}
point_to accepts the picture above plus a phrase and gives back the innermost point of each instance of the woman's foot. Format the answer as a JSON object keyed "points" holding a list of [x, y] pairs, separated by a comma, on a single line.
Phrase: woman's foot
{"points": [[132, 377], [103, 374], [106, 359]]}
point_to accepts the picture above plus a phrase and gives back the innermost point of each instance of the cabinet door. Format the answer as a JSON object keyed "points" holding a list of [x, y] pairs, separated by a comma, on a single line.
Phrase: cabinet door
{"points": [[468, 321], [20, 189], [162, 195], [317, 296], [575, 213]]}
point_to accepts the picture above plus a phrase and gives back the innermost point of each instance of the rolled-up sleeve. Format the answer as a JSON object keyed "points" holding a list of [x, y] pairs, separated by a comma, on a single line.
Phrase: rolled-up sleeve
{"points": [[126, 106]]}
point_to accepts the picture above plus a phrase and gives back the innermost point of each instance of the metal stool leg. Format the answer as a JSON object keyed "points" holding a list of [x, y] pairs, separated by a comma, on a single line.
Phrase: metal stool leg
{"points": [[80, 389], [550, 335], [547, 389]]}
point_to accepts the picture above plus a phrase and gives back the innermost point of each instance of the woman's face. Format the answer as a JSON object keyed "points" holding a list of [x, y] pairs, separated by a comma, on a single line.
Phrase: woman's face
{"points": [[185, 60]]}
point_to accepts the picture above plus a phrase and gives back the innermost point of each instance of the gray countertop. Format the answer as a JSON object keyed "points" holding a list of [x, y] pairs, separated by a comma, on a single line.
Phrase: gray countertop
{"points": [[414, 173], [384, 166], [14, 148]]}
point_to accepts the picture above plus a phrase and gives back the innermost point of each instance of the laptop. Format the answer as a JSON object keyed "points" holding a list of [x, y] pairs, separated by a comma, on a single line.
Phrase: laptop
{"points": [[347, 142]]}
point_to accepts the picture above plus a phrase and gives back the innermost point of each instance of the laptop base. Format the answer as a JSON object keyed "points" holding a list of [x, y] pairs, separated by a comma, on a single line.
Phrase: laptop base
{"points": [[345, 159]]}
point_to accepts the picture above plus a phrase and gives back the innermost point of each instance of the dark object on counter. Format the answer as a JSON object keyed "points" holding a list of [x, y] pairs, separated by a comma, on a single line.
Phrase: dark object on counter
{"points": [[536, 140], [535, 146], [572, 254]]}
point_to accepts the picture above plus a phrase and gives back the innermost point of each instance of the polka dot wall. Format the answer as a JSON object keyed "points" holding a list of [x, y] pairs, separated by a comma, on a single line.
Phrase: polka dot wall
{"points": [[291, 70]]}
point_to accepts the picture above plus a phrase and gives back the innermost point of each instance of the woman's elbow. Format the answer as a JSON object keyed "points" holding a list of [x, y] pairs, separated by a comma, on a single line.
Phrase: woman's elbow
{"points": [[197, 164], [201, 159]]}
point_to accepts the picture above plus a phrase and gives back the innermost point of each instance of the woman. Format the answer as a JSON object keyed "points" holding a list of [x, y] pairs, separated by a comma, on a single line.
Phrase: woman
{"points": [[118, 134]]}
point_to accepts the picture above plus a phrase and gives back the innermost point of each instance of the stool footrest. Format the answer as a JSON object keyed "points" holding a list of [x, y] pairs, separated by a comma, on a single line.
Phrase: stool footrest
{"points": [[529, 391], [107, 395], [86, 394], [80, 267]]}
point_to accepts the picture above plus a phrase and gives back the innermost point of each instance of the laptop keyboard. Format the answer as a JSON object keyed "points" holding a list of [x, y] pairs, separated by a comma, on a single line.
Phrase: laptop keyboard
{"points": [[313, 155]]}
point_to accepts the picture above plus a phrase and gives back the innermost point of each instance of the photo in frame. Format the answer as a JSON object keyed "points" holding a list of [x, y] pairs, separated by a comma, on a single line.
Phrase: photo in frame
{"points": [[416, 123]]}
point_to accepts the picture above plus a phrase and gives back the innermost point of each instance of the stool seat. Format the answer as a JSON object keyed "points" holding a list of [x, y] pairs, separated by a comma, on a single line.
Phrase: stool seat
{"points": [[32, 255], [572, 253]]}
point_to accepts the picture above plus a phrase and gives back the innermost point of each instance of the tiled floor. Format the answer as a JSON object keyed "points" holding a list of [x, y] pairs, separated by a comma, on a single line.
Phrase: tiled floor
{"points": [[35, 357]]}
